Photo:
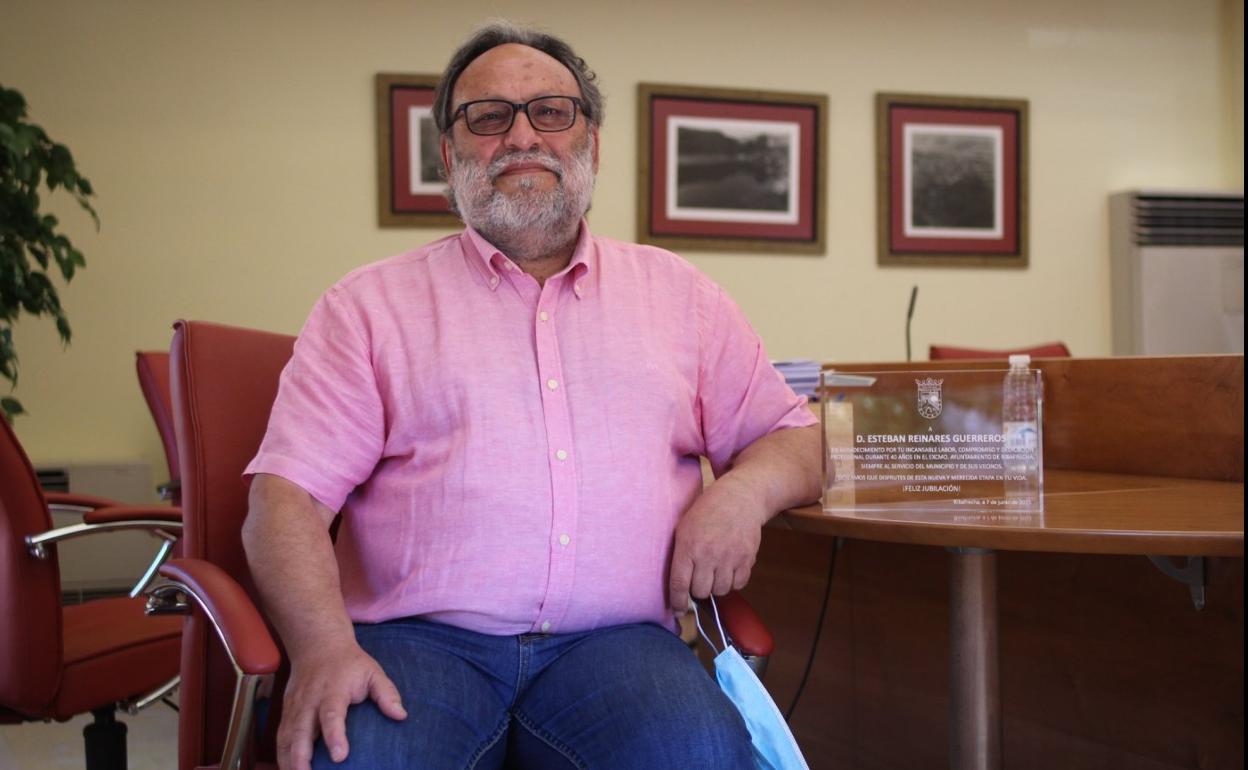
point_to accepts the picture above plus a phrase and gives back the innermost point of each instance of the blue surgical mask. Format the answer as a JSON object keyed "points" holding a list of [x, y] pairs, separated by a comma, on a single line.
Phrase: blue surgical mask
{"points": [[772, 741]]}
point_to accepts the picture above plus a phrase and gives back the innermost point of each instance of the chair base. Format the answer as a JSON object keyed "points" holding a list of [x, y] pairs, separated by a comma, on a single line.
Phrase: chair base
{"points": [[105, 740]]}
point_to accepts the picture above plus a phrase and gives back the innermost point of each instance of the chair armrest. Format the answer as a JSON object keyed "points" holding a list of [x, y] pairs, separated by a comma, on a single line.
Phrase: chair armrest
{"points": [[228, 607], [74, 502], [743, 625], [117, 512], [160, 521], [166, 530], [242, 631]]}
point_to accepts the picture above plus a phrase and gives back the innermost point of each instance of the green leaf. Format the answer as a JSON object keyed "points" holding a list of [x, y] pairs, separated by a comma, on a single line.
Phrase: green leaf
{"points": [[11, 408], [23, 139], [87, 206], [40, 254], [12, 104], [67, 266]]}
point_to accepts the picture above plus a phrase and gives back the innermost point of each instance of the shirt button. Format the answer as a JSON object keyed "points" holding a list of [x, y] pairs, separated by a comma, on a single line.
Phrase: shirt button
{"points": [[545, 626], [493, 282], [578, 289], [562, 454], [564, 540], [543, 316], [552, 384]]}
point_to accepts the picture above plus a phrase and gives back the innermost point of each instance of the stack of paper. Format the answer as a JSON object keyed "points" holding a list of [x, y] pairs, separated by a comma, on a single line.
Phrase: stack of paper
{"points": [[801, 374]]}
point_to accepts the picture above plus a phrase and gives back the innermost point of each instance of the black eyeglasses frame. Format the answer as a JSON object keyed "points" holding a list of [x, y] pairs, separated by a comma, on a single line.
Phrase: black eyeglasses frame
{"points": [[578, 105]]}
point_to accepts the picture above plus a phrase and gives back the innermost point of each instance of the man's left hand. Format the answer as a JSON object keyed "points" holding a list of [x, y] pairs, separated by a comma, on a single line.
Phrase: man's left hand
{"points": [[716, 543], [717, 539]]}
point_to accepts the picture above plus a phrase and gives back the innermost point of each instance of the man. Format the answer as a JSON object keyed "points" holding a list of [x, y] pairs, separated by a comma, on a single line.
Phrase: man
{"points": [[510, 422]]}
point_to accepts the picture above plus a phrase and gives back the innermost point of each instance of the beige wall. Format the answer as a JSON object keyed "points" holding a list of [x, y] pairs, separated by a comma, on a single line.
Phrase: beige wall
{"points": [[232, 147], [1233, 82]]}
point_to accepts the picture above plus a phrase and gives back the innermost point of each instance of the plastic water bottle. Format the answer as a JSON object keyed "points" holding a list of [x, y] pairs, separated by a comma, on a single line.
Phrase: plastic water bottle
{"points": [[1020, 454]]}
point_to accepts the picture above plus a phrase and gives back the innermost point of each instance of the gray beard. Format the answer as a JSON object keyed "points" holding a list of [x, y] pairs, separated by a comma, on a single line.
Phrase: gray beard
{"points": [[529, 223]]}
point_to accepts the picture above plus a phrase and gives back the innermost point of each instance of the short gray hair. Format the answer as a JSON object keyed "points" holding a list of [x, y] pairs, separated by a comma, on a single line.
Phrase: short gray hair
{"points": [[499, 32]]}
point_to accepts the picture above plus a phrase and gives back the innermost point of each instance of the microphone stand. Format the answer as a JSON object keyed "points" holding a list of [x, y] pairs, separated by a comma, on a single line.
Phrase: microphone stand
{"points": [[914, 293]]}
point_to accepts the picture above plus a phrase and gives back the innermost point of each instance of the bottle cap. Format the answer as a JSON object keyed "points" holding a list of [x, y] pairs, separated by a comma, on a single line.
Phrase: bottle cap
{"points": [[1020, 360]]}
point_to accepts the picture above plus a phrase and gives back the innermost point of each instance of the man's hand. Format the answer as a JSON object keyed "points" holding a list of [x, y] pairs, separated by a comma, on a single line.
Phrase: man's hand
{"points": [[717, 539], [322, 685], [716, 543], [292, 560]]}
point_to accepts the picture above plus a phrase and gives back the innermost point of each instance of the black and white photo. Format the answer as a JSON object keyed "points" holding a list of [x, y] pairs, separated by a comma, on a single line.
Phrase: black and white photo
{"points": [[743, 170], [425, 177], [953, 181]]}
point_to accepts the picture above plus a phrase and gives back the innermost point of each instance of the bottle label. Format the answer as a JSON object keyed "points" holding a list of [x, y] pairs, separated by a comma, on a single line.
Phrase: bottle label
{"points": [[1021, 436]]}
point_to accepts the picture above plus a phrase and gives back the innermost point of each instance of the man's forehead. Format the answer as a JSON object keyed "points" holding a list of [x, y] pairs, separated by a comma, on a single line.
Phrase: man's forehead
{"points": [[504, 68]]}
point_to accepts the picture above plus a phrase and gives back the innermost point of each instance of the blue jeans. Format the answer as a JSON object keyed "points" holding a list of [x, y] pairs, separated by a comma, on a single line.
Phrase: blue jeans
{"points": [[624, 697]]}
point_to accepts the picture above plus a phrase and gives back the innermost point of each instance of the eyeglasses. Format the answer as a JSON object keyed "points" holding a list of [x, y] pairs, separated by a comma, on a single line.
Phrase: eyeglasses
{"points": [[489, 117]]}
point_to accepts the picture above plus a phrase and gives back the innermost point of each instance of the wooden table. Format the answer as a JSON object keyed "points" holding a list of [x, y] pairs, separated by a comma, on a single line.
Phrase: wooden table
{"points": [[1085, 512]]}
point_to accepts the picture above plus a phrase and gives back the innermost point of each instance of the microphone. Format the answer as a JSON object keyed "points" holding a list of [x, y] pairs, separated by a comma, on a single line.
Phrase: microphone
{"points": [[914, 293]]}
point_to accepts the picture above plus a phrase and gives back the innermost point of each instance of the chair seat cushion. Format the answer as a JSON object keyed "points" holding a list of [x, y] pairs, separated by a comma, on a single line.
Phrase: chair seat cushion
{"points": [[113, 652]]}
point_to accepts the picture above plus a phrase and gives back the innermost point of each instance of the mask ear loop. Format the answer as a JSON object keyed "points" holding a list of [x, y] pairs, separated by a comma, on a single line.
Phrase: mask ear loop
{"points": [[698, 622]]}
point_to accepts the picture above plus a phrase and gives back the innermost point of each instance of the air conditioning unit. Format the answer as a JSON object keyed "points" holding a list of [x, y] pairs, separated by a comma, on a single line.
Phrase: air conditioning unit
{"points": [[1177, 272], [104, 564]]}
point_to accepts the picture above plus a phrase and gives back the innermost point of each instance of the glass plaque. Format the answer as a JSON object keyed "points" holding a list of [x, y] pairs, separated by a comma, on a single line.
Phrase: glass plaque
{"points": [[930, 441]]}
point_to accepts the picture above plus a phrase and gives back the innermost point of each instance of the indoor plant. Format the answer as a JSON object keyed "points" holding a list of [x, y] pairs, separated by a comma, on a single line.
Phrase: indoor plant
{"points": [[29, 160]]}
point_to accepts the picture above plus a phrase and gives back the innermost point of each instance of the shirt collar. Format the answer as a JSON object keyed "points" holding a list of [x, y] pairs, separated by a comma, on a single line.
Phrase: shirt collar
{"points": [[490, 263]]}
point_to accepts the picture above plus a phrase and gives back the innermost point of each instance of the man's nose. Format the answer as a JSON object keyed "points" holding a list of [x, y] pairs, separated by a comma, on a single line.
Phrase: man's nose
{"points": [[521, 135]]}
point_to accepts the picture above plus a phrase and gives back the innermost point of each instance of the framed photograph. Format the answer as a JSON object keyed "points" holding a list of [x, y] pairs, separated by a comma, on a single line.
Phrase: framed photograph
{"points": [[728, 170], [951, 180], [409, 163]]}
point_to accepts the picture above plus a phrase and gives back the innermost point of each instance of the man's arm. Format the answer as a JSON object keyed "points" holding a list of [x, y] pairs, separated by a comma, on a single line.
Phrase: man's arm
{"points": [[292, 560], [718, 537]]}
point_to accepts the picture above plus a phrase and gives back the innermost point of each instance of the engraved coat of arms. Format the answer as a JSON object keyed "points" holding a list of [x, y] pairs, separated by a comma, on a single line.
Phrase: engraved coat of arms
{"points": [[929, 399]]}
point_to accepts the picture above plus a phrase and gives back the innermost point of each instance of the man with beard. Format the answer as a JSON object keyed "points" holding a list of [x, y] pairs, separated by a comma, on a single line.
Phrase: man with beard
{"points": [[510, 421]]}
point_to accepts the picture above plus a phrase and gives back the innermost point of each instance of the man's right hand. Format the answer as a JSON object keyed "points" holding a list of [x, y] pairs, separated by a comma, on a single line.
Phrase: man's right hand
{"points": [[323, 684], [286, 535]]}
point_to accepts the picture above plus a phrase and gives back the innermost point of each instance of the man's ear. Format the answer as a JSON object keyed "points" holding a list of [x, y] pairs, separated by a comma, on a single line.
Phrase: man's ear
{"points": [[447, 153]]}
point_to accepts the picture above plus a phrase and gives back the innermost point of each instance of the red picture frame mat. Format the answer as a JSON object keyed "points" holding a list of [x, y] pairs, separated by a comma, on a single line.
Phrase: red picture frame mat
{"points": [[663, 108], [1008, 121], [402, 99]]}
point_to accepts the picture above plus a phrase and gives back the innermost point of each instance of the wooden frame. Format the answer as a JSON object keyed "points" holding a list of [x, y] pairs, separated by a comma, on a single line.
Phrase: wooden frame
{"points": [[951, 180], [770, 197], [409, 190]]}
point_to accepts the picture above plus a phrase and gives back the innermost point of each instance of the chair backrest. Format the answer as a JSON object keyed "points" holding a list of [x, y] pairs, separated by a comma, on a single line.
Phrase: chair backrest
{"points": [[1047, 350], [30, 588], [152, 367], [224, 381]]}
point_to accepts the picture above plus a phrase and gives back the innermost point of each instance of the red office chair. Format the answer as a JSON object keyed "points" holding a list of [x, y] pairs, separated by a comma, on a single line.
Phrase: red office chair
{"points": [[1047, 350], [152, 367], [57, 662], [224, 382]]}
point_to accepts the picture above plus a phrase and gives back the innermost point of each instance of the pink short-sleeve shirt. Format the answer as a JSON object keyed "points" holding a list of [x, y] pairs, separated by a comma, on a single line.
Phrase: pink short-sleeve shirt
{"points": [[513, 458]]}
